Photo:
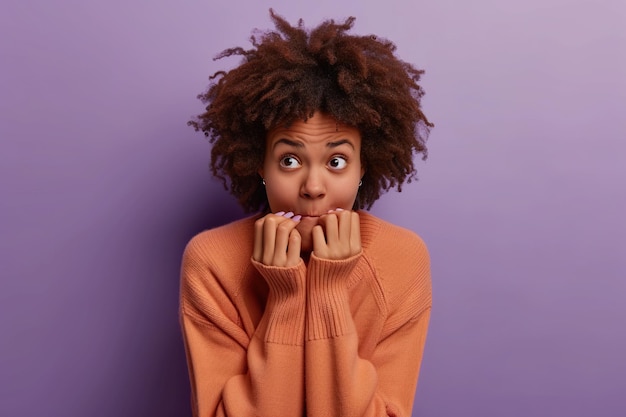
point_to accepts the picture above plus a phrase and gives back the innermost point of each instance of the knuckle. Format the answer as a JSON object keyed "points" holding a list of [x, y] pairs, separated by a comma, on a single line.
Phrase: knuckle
{"points": [[270, 220], [285, 226]]}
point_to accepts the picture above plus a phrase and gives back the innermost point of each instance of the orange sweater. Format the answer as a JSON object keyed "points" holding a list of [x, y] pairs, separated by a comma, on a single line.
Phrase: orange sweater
{"points": [[327, 338]]}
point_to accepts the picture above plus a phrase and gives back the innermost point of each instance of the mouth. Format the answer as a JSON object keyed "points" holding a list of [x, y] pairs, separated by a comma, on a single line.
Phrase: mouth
{"points": [[310, 219], [306, 218], [314, 215]]}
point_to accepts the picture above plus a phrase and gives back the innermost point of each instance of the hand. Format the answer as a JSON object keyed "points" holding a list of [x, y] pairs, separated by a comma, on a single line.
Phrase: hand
{"points": [[276, 241], [338, 235]]}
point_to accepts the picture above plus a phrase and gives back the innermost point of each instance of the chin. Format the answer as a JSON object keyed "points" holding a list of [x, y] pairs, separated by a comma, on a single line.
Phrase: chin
{"points": [[305, 227]]}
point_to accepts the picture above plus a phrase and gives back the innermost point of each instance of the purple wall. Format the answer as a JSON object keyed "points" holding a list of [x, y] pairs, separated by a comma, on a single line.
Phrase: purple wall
{"points": [[521, 200]]}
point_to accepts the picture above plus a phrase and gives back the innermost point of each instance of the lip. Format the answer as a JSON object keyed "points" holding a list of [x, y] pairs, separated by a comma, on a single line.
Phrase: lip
{"points": [[314, 214], [309, 219], [311, 215]]}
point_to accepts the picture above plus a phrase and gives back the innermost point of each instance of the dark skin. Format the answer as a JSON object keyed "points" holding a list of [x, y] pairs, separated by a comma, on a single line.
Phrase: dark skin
{"points": [[310, 166], [277, 242], [291, 72]]}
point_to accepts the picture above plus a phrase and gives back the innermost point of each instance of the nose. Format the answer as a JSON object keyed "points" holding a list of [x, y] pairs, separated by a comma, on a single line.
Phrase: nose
{"points": [[313, 185]]}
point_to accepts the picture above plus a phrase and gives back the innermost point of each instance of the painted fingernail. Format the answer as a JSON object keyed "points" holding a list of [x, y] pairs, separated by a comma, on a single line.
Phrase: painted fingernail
{"points": [[296, 218], [288, 215], [280, 213]]}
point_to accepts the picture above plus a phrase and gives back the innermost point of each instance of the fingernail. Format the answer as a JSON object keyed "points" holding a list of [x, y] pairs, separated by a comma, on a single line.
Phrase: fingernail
{"points": [[296, 218], [288, 215], [280, 213], [338, 209]]}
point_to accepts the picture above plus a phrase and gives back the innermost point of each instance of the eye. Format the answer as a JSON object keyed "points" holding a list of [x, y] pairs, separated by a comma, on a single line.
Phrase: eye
{"points": [[338, 162], [289, 161]]}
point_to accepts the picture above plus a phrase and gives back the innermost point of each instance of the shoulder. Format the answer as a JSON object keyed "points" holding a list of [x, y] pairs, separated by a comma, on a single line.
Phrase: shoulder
{"points": [[223, 240], [219, 252], [382, 236], [401, 261], [213, 267]]}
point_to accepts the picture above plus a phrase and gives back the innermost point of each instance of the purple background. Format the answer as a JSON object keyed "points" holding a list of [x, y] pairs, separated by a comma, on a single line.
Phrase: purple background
{"points": [[521, 202]]}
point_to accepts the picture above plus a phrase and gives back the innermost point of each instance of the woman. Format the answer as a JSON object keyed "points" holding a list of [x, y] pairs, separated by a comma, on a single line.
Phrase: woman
{"points": [[312, 307]]}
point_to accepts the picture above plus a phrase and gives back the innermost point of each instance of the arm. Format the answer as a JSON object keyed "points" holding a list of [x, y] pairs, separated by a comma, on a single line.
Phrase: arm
{"points": [[231, 373], [338, 381]]}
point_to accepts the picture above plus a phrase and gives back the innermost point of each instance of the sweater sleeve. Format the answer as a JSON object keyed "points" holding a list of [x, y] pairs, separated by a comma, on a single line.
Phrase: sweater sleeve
{"points": [[231, 373], [338, 381]]}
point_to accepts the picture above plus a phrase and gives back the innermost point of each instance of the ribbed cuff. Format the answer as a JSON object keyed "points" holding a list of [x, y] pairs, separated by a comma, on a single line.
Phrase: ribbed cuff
{"points": [[283, 319], [328, 306]]}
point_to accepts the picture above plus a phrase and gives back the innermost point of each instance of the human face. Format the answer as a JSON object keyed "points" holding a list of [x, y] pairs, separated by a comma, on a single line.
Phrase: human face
{"points": [[311, 168]]}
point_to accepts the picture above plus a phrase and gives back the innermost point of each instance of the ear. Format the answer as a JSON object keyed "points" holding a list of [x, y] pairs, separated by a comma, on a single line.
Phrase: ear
{"points": [[260, 172]]}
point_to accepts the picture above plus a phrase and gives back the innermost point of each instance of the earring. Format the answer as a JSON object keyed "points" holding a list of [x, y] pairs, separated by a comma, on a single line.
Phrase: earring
{"points": [[360, 183], [263, 181]]}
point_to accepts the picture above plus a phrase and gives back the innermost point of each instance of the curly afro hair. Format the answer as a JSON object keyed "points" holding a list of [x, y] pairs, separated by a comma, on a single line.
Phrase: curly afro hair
{"points": [[292, 72]]}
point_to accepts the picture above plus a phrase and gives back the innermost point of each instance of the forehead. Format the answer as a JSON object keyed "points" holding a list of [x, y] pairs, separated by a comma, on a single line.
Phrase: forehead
{"points": [[319, 127]]}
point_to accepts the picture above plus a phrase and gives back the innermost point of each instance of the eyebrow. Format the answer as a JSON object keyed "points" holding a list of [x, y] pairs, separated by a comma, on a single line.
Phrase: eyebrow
{"points": [[297, 144]]}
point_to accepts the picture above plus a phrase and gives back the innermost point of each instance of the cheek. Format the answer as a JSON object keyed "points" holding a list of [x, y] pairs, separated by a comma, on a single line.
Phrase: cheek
{"points": [[280, 193], [347, 190]]}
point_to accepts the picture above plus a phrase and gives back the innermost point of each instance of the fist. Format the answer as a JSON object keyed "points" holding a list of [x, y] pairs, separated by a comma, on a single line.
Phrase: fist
{"points": [[338, 235], [276, 240]]}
